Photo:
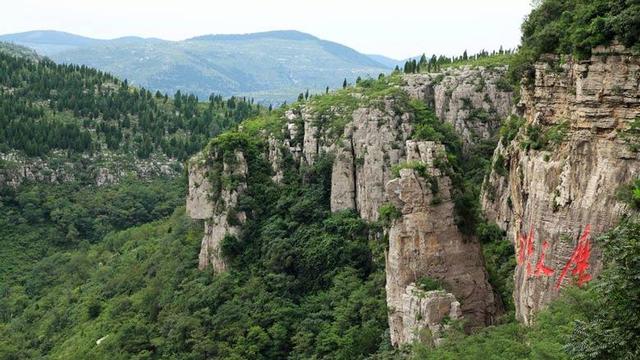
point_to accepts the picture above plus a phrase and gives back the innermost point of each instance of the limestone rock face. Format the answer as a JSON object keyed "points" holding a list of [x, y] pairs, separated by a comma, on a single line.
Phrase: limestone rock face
{"points": [[470, 99], [373, 143], [217, 209], [364, 150], [275, 158], [555, 199], [199, 202], [366, 141], [425, 315], [426, 242], [373, 140], [105, 167]]}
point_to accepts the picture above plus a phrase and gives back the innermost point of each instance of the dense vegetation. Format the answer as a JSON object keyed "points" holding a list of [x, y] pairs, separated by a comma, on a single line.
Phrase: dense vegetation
{"points": [[46, 106], [435, 63], [303, 283], [574, 27], [38, 219]]}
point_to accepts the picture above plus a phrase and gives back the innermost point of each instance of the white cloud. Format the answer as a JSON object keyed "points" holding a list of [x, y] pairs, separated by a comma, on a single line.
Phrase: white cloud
{"points": [[399, 28]]}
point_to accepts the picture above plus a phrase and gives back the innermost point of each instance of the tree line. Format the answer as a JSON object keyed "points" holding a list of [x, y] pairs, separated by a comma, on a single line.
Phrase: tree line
{"points": [[46, 106]]}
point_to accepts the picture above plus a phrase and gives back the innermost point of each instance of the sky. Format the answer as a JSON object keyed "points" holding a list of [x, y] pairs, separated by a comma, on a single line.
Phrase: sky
{"points": [[394, 28]]}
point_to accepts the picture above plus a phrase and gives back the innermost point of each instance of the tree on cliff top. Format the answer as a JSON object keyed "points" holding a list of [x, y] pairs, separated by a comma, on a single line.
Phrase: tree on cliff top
{"points": [[575, 27]]}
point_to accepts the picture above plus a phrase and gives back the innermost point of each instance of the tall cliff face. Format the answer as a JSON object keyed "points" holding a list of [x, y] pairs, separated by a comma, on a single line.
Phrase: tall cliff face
{"points": [[468, 99], [553, 187], [104, 168], [424, 316], [368, 131], [213, 197], [473, 100], [425, 242]]}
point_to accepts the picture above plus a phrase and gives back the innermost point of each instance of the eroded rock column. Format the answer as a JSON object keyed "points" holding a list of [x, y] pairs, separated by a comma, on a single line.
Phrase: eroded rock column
{"points": [[425, 242]]}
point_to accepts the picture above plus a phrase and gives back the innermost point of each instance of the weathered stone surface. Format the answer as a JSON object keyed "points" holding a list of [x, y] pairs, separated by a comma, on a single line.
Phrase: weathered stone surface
{"points": [[216, 209], [425, 314], [199, 202], [363, 156], [275, 158], [469, 98], [377, 140], [105, 167], [553, 201], [343, 178], [310, 144], [425, 241], [374, 140]]}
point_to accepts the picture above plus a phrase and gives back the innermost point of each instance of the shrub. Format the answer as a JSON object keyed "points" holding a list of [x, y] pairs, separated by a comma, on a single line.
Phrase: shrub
{"points": [[630, 194], [418, 166], [499, 165], [631, 135], [612, 331], [426, 283], [510, 129], [388, 213], [540, 138]]}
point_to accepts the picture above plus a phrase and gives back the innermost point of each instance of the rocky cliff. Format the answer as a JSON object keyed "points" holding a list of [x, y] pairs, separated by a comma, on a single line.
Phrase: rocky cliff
{"points": [[102, 168], [367, 131], [425, 316], [215, 182], [425, 242], [473, 100], [554, 179]]}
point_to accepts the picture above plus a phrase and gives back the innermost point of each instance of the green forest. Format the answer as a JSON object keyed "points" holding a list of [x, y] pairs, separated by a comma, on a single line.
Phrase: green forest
{"points": [[46, 106], [90, 272]]}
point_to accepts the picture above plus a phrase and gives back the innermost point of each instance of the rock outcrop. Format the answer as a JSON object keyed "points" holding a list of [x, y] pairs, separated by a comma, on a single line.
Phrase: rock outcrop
{"points": [[425, 242], [366, 138], [215, 203], [553, 187], [426, 315], [103, 167], [473, 100], [372, 143]]}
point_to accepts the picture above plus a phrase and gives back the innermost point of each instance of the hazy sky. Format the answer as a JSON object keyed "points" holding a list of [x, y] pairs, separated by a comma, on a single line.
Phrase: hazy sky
{"points": [[396, 28]]}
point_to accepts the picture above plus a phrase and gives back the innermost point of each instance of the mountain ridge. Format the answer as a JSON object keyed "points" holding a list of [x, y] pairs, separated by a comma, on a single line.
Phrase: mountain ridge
{"points": [[271, 66]]}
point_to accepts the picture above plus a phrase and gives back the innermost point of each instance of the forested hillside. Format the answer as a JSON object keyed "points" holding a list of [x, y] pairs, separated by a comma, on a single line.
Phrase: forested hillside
{"points": [[271, 67], [78, 148], [303, 283], [46, 106]]}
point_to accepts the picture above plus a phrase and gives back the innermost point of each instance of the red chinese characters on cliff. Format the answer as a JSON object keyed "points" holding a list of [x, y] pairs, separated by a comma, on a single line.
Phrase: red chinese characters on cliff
{"points": [[526, 251], [578, 263]]}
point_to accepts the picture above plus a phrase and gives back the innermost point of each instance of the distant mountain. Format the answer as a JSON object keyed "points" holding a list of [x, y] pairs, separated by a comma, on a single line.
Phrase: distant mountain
{"points": [[269, 66], [48, 42], [386, 61], [19, 51]]}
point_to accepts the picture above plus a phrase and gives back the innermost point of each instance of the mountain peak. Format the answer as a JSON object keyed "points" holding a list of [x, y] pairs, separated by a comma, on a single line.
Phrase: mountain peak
{"points": [[276, 34]]}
